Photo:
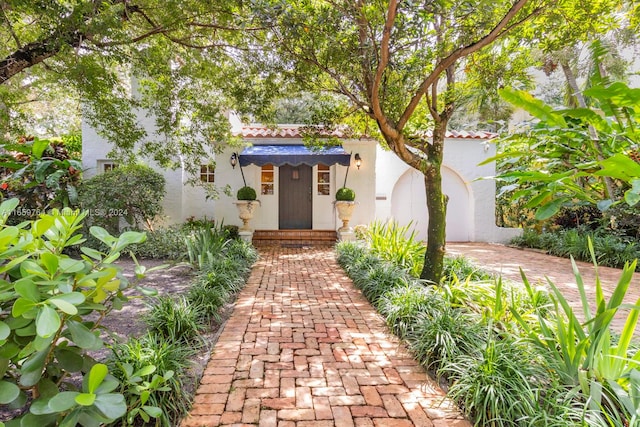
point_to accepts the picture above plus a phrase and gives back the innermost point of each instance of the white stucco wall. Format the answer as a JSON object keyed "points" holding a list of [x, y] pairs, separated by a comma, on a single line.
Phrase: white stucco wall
{"points": [[385, 188], [471, 207]]}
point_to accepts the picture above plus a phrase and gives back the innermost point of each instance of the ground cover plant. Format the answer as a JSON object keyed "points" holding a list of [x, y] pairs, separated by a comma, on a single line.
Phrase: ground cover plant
{"points": [[176, 327], [510, 354], [52, 310], [610, 250]]}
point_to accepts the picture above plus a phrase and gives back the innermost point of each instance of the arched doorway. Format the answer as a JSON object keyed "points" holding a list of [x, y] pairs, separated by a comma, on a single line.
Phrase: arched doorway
{"points": [[409, 203]]}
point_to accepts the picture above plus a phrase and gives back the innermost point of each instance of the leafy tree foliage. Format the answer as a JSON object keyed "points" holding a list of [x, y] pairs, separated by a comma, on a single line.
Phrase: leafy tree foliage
{"points": [[187, 59]]}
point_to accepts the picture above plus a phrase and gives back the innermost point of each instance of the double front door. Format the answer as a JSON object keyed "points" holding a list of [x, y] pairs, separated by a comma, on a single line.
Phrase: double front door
{"points": [[295, 197]]}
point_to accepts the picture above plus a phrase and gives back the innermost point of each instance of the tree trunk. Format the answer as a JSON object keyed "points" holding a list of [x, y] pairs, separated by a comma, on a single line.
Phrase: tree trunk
{"points": [[437, 208]]}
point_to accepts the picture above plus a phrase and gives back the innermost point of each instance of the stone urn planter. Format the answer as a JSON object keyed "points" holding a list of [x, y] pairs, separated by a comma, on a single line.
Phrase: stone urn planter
{"points": [[246, 210], [345, 211]]}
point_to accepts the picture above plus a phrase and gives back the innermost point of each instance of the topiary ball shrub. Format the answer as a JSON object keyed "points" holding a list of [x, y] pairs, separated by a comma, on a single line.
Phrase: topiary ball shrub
{"points": [[246, 193], [345, 194]]}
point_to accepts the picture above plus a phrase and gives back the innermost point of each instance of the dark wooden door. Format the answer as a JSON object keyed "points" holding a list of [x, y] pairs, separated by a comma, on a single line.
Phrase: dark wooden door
{"points": [[295, 197]]}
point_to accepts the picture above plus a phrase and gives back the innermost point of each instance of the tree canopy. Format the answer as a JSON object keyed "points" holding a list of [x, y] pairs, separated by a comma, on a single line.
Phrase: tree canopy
{"points": [[189, 59]]}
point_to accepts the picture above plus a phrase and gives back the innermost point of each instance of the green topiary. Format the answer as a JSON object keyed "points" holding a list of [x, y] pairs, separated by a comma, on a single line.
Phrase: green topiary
{"points": [[345, 194], [246, 193]]}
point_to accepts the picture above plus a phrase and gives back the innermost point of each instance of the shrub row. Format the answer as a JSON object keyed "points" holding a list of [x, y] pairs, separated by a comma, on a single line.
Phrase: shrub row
{"points": [[511, 355], [611, 250]]}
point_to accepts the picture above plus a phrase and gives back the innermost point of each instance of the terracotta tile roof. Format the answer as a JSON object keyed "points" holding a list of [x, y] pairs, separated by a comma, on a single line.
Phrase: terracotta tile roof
{"points": [[462, 134], [294, 131], [282, 131]]}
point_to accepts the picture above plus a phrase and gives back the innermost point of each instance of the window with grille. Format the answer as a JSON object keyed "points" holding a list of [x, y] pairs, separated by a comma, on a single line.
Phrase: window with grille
{"points": [[207, 173], [266, 179], [324, 180]]}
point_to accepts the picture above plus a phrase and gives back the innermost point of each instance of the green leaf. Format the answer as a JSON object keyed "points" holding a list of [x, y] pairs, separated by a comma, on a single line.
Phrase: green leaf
{"points": [[8, 206], [41, 226], [92, 253], [85, 399], [47, 388], [97, 374], [30, 267], [589, 116], [8, 392], [50, 261], [128, 238], [620, 167], [41, 170], [533, 106], [108, 385], [102, 235], [153, 411], [632, 196], [5, 331], [550, 209], [30, 420], [70, 265], [7, 236], [32, 368], [27, 289], [71, 420], [83, 337], [21, 306], [603, 205], [64, 401], [41, 344], [146, 370], [75, 298], [47, 322], [69, 360], [38, 147], [41, 406], [111, 405], [64, 306]]}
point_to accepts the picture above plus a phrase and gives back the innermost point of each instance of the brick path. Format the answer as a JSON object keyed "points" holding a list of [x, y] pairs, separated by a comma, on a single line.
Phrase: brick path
{"points": [[303, 348]]}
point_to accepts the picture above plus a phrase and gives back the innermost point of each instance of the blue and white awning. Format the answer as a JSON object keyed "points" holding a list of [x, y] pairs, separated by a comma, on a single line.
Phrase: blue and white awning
{"points": [[293, 155]]}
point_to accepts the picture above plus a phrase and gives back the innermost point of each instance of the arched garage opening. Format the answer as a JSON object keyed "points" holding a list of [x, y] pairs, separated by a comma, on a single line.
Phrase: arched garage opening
{"points": [[408, 203]]}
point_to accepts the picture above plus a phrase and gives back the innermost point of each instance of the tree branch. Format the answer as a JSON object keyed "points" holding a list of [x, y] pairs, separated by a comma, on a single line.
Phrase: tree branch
{"points": [[383, 121], [36, 52], [500, 29]]}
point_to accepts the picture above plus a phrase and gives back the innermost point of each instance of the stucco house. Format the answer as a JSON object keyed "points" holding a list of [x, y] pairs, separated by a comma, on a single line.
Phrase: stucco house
{"points": [[296, 186]]}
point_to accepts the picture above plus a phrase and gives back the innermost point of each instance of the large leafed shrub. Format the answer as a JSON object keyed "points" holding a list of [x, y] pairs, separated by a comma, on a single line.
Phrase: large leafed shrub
{"points": [[130, 193]]}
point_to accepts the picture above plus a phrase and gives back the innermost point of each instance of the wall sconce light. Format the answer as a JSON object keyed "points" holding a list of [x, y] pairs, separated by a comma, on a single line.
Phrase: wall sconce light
{"points": [[295, 174], [358, 160], [234, 160]]}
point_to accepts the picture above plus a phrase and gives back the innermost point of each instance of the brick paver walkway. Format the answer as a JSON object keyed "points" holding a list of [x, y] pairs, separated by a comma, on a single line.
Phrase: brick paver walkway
{"points": [[303, 348]]}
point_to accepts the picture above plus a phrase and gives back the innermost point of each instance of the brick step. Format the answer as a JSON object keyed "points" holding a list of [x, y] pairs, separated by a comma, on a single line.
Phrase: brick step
{"points": [[295, 237]]}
